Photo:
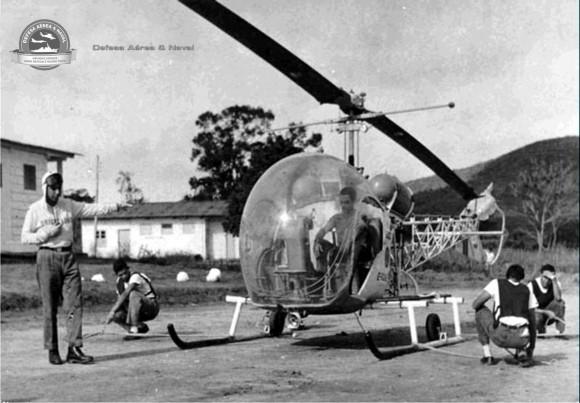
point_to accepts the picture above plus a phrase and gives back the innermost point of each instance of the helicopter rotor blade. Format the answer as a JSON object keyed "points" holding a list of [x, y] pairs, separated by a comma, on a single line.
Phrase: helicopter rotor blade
{"points": [[271, 51], [408, 142], [317, 85]]}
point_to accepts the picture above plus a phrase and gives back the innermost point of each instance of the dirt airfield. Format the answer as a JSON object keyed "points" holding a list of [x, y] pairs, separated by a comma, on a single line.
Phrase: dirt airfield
{"points": [[327, 361]]}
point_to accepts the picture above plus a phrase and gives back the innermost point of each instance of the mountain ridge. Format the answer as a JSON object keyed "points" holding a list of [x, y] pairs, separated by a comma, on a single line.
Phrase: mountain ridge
{"points": [[433, 199], [433, 182]]}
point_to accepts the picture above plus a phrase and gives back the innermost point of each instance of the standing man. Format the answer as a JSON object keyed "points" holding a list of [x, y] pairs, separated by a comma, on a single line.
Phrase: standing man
{"points": [[512, 323], [136, 302], [49, 224], [551, 307]]}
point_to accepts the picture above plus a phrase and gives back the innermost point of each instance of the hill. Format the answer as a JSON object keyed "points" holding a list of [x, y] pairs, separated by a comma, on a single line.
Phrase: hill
{"points": [[434, 182], [432, 197]]}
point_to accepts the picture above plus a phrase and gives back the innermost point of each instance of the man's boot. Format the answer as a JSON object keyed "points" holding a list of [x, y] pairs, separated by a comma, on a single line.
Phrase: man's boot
{"points": [[76, 356]]}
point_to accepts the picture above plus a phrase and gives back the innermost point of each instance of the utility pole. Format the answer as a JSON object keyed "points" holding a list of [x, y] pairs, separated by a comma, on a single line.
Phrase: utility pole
{"points": [[96, 201]]}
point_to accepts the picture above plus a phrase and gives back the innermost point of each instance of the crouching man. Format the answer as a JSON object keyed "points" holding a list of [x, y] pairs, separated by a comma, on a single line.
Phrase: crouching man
{"points": [[136, 302], [548, 293], [512, 323]]}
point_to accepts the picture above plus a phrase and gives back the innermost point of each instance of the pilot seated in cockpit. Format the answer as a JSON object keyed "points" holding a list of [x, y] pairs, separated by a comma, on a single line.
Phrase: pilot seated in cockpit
{"points": [[348, 225]]}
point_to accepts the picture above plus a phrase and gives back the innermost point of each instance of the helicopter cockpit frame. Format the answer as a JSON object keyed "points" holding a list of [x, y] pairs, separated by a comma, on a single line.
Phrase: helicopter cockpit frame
{"points": [[299, 247]]}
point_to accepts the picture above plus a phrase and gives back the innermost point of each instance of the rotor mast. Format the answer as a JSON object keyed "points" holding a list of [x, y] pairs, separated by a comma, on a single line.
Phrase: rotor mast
{"points": [[351, 130]]}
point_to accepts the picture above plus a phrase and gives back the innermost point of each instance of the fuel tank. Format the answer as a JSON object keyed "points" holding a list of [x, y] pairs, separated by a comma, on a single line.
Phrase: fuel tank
{"points": [[392, 192]]}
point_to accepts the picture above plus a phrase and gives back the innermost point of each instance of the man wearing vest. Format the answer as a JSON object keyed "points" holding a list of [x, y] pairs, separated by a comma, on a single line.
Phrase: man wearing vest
{"points": [[551, 307], [136, 302], [512, 323]]}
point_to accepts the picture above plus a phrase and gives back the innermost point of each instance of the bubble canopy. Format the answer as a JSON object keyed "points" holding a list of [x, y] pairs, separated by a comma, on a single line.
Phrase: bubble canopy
{"points": [[297, 234]]}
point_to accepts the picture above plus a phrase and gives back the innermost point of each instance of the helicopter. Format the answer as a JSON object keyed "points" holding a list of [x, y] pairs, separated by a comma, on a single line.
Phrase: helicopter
{"points": [[316, 235]]}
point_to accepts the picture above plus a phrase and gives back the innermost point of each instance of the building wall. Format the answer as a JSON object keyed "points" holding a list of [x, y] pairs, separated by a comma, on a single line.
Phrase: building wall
{"points": [[191, 236], [15, 199], [221, 245], [146, 237]]}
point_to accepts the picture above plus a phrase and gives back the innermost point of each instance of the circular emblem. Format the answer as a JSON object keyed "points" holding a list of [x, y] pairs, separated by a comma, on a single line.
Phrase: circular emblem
{"points": [[44, 45]]}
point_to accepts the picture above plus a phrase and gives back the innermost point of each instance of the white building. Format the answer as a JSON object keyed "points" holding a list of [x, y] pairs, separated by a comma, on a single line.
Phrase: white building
{"points": [[160, 229], [21, 169]]}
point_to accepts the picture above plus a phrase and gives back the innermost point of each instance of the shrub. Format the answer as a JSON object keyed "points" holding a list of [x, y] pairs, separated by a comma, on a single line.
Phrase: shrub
{"points": [[564, 259]]}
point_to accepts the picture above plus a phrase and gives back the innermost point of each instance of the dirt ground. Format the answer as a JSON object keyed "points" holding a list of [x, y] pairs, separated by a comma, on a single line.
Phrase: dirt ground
{"points": [[327, 361]]}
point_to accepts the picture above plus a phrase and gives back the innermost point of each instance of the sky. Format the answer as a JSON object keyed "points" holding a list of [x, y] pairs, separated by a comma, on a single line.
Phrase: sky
{"points": [[510, 66]]}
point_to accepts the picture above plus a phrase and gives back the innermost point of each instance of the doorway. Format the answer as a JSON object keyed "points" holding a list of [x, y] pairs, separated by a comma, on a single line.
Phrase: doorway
{"points": [[124, 245]]}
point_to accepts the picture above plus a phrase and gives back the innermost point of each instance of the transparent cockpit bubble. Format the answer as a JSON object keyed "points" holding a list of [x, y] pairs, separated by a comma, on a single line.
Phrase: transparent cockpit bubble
{"points": [[283, 259]]}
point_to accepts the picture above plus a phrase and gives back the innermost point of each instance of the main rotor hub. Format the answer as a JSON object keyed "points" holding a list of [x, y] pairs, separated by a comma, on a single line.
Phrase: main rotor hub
{"points": [[358, 100]]}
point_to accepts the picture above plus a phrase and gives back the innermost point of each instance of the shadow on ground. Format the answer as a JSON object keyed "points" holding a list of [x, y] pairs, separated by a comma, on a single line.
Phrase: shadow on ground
{"points": [[393, 337]]}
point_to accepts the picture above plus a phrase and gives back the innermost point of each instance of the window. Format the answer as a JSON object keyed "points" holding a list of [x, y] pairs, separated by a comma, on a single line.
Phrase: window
{"points": [[166, 229], [145, 229], [189, 228], [101, 238], [29, 177]]}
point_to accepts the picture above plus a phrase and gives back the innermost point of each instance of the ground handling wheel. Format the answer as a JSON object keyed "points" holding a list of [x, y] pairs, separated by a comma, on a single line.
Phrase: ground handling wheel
{"points": [[295, 321], [275, 322], [433, 327]]}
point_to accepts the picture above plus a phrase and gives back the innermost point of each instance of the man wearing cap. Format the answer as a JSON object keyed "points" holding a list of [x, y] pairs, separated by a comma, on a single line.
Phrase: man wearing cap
{"points": [[548, 292], [49, 224], [136, 302]]}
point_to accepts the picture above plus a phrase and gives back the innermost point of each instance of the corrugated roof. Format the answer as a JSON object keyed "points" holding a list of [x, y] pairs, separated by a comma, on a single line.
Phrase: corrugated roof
{"points": [[181, 209]]}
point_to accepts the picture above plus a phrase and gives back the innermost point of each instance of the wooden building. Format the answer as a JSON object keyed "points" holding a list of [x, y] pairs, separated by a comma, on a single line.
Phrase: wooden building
{"points": [[21, 168]]}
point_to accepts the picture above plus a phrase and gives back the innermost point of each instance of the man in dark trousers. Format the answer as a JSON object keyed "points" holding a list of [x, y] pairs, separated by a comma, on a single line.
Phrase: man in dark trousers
{"points": [[137, 301], [548, 292], [512, 323], [49, 224]]}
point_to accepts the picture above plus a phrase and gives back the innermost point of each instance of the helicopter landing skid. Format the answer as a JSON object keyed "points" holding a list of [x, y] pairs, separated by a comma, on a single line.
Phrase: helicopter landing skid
{"points": [[188, 345], [433, 328]]}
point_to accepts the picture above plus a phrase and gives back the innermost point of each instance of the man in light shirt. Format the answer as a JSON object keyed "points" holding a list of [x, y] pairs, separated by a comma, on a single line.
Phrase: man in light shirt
{"points": [[49, 224], [512, 323]]}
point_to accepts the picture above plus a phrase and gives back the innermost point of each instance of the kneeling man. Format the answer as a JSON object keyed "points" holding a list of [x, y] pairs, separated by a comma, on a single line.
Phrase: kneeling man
{"points": [[512, 323], [136, 302]]}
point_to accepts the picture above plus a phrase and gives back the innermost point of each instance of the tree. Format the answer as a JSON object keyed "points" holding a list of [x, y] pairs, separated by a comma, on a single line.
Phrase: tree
{"points": [[234, 148], [130, 192], [548, 199], [263, 156], [222, 148]]}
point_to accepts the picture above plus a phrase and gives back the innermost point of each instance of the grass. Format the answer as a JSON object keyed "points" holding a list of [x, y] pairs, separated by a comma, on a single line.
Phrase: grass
{"points": [[20, 288], [565, 260], [453, 267], [450, 269]]}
